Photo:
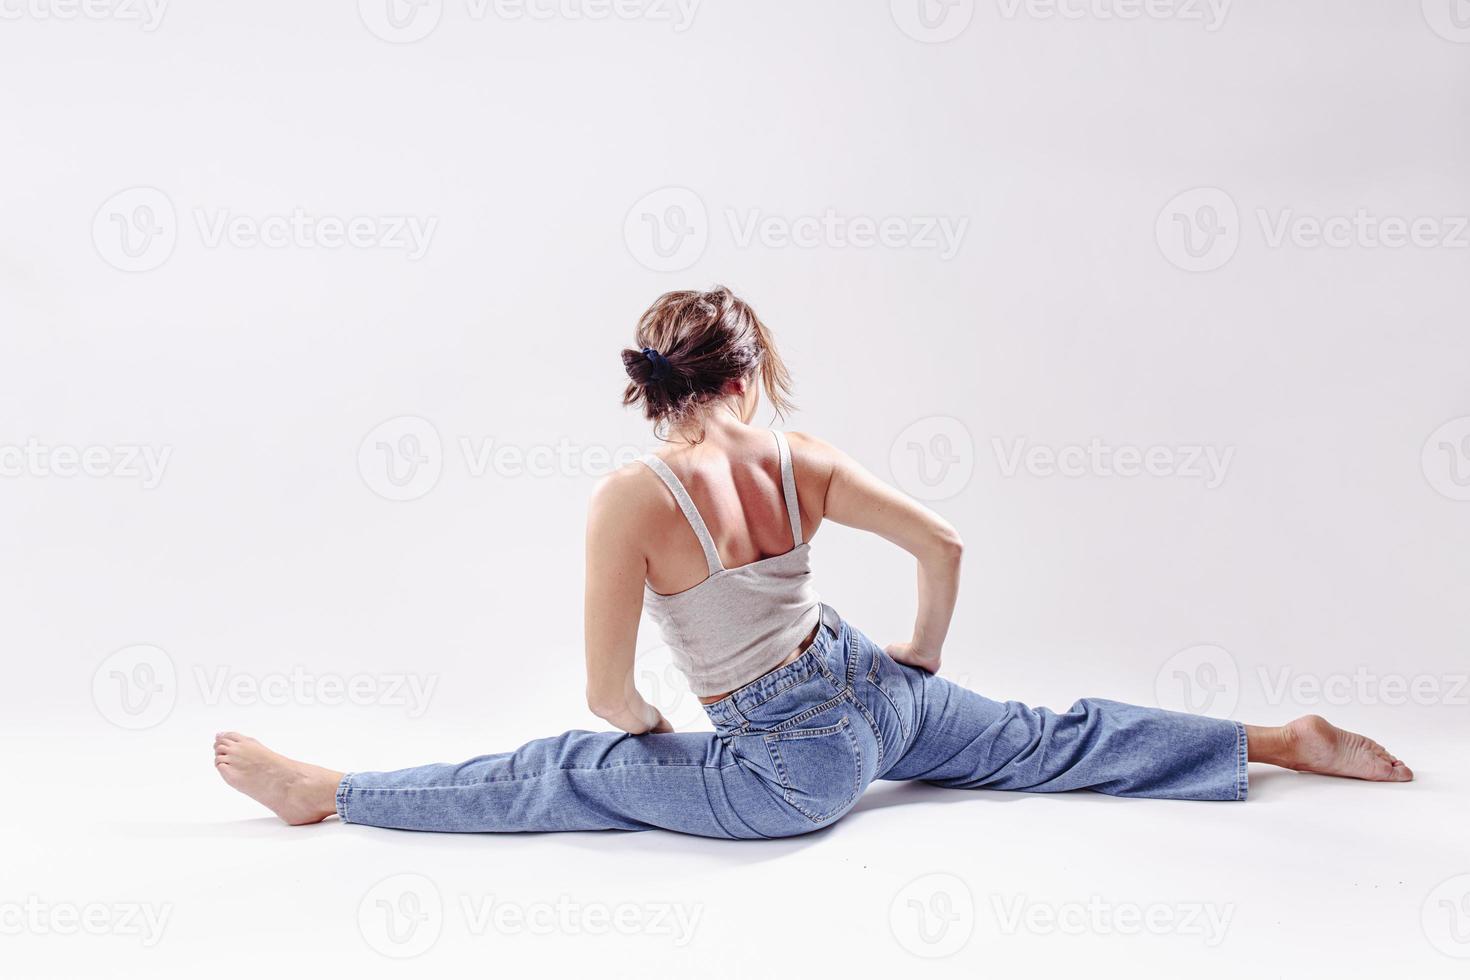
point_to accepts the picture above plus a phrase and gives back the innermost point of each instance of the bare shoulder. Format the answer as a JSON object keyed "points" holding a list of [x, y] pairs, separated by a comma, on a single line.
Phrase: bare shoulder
{"points": [[814, 453], [624, 497], [816, 462]]}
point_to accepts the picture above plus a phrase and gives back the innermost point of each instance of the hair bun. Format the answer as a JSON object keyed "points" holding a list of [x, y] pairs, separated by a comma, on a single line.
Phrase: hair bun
{"points": [[662, 369], [647, 366], [691, 347]]}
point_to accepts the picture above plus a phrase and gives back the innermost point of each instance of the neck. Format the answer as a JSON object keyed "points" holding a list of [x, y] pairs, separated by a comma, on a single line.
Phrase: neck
{"points": [[719, 418]]}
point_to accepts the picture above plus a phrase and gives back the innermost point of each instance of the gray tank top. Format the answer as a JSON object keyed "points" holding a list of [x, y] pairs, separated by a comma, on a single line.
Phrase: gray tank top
{"points": [[740, 622]]}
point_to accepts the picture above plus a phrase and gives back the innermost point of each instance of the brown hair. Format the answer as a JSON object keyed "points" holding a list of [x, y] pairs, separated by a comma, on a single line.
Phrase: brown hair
{"points": [[691, 345]]}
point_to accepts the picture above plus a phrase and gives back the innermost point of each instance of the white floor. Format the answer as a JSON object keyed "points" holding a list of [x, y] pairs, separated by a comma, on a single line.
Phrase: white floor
{"points": [[133, 834]]}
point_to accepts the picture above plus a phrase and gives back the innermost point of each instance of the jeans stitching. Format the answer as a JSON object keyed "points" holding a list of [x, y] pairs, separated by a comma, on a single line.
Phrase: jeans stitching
{"points": [[1242, 779], [878, 656], [851, 658], [772, 744], [536, 775], [872, 723], [795, 720], [342, 789], [714, 811]]}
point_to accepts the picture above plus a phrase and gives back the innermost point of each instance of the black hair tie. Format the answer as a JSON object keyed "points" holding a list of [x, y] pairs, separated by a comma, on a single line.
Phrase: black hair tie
{"points": [[662, 369]]}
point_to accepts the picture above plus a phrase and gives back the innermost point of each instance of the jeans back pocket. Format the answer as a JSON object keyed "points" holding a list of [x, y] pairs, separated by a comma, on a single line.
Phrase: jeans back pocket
{"points": [[820, 769]]}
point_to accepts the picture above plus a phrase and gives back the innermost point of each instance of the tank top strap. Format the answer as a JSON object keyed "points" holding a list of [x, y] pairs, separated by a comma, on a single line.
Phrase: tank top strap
{"points": [[686, 504], [788, 487]]}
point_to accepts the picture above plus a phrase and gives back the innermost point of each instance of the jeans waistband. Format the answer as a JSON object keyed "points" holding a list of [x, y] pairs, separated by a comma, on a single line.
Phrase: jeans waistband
{"points": [[728, 712]]}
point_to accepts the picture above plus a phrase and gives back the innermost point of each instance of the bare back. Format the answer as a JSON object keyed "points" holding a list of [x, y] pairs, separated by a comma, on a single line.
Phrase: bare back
{"points": [[735, 482]]}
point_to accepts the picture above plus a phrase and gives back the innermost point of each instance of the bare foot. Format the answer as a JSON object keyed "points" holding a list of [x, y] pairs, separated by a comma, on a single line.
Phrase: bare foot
{"points": [[1316, 745], [296, 792]]}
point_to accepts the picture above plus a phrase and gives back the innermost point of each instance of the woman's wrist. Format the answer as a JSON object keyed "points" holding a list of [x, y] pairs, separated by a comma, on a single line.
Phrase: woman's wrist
{"points": [[927, 647], [924, 654]]}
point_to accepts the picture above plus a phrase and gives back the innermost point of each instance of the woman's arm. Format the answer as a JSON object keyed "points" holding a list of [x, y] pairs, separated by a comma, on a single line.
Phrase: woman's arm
{"points": [[616, 568], [858, 499]]}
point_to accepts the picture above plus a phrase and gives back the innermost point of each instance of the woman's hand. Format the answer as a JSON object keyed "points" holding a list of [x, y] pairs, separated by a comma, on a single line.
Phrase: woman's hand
{"points": [[907, 653], [662, 727]]}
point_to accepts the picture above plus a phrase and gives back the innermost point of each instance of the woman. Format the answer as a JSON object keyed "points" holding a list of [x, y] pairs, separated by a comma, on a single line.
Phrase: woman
{"points": [[712, 537]]}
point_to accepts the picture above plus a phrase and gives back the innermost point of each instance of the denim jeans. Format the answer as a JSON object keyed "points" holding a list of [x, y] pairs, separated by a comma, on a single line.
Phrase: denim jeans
{"points": [[793, 750]]}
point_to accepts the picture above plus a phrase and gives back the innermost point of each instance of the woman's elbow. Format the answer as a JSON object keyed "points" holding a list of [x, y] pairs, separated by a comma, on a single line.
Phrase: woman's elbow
{"points": [[948, 546]]}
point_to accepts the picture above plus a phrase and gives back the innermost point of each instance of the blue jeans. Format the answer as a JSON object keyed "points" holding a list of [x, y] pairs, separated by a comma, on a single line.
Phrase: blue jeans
{"points": [[793, 750]]}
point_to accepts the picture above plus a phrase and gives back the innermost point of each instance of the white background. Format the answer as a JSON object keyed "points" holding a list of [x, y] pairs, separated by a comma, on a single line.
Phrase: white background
{"points": [[1072, 146]]}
